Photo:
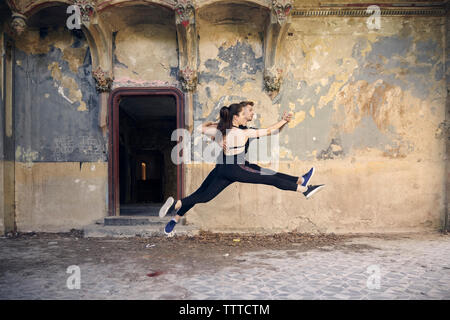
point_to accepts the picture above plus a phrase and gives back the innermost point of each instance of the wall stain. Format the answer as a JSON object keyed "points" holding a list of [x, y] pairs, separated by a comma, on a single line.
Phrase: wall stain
{"points": [[333, 151]]}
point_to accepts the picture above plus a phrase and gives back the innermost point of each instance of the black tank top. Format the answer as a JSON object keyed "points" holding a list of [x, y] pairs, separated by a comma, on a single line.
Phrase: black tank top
{"points": [[237, 158], [247, 144]]}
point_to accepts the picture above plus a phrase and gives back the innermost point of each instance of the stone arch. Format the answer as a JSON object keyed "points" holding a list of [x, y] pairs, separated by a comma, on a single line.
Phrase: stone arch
{"points": [[29, 8], [97, 33], [259, 3], [103, 5]]}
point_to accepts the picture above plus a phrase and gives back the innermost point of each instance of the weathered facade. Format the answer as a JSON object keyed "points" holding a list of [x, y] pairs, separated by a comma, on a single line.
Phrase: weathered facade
{"points": [[369, 97]]}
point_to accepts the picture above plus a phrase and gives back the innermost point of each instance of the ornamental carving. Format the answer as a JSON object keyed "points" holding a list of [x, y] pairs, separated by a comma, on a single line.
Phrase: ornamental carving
{"points": [[281, 10], [188, 78], [87, 10], [184, 12], [272, 79], [103, 81], [18, 23]]}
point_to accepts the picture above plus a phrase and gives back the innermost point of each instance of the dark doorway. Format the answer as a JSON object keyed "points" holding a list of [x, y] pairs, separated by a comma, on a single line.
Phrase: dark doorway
{"points": [[147, 174]]}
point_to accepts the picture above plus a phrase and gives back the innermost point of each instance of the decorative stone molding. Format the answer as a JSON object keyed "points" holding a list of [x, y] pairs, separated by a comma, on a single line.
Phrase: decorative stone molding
{"points": [[103, 80], [280, 10], [279, 22], [184, 12], [87, 10], [362, 12], [100, 43], [272, 79], [98, 33], [129, 83], [18, 23], [187, 44], [188, 78]]}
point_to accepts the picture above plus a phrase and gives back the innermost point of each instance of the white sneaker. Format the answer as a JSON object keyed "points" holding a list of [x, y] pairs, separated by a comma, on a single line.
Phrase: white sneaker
{"points": [[166, 207]]}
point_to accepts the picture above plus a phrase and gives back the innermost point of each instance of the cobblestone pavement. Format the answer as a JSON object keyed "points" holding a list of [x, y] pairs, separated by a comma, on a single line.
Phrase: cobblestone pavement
{"points": [[406, 266]]}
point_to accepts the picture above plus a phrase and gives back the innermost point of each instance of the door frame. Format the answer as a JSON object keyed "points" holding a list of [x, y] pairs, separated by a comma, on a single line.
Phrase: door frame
{"points": [[113, 139]]}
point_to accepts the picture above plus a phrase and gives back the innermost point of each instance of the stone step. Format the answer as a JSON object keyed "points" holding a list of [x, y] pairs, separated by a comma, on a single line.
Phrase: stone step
{"points": [[154, 227], [140, 210], [126, 221]]}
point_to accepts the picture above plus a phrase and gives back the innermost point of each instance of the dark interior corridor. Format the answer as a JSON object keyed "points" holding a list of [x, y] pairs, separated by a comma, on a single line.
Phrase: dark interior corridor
{"points": [[146, 173]]}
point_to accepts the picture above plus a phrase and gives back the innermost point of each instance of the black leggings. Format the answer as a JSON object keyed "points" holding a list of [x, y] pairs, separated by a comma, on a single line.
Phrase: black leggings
{"points": [[271, 172], [225, 174]]}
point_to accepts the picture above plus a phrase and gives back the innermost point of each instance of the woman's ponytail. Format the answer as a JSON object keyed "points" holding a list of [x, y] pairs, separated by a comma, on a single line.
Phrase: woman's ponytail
{"points": [[225, 120], [225, 113], [226, 117]]}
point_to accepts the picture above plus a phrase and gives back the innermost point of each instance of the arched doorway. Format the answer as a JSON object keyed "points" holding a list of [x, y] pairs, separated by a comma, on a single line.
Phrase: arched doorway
{"points": [[140, 123]]}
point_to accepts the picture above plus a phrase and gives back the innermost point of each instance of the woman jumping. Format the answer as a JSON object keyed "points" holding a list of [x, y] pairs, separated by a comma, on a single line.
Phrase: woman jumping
{"points": [[233, 168]]}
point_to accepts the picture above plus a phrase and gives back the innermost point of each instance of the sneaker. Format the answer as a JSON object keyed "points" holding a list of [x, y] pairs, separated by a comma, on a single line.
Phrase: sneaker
{"points": [[307, 176], [168, 230], [313, 189], [167, 207]]}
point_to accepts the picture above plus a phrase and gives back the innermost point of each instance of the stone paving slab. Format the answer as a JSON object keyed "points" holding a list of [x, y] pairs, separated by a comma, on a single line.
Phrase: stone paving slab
{"points": [[412, 267]]}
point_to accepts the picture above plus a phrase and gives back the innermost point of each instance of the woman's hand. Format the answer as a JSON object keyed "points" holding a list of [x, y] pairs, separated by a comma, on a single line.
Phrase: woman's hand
{"points": [[287, 116], [224, 145]]}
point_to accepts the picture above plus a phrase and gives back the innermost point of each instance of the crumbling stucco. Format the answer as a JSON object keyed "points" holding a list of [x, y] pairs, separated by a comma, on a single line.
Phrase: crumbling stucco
{"points": [[59, 196], [145, 47], [367, 105], [366, 108]]}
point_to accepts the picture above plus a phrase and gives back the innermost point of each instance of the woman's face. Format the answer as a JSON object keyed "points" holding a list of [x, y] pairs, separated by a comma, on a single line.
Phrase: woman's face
{"points": [[249, 113], [240, 118]]}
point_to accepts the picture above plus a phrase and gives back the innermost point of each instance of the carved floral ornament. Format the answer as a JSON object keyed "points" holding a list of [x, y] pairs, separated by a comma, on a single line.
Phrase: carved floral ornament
{"points": [[185, 12], [18, 23], [87, 9], [103, 80], [272, 79], [281, 9], [188, 79]]}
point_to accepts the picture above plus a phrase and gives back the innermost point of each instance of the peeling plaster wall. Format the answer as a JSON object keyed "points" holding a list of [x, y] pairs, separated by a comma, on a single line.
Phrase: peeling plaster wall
{"points": [[57, 105], [57, 133], [372, 88], [231, 61], [7, 142], [59, 196], [367, 105], [144, 46]]}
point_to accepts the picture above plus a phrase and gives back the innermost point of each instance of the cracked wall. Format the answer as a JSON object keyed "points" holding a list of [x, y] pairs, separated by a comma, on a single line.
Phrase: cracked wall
{"points": [[56, 106], [144, 46], [56, 133], [7, 201], [367, 105]]}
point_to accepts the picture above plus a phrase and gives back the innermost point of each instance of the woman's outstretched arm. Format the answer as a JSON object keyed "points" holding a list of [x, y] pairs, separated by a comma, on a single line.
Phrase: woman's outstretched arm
{"points": [[286, 116], [256, 133]]}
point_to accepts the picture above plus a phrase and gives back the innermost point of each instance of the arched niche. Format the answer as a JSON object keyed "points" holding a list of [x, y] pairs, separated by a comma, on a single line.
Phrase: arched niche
{"points": [[97, 33], [235, 12]]}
